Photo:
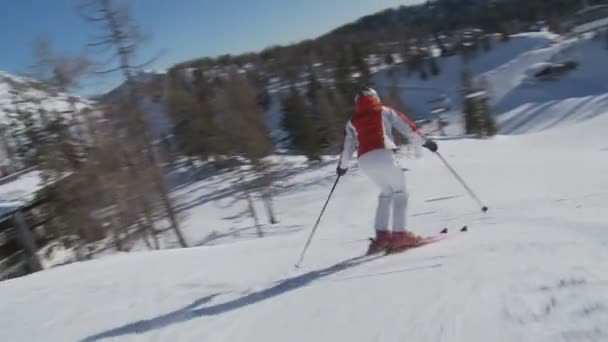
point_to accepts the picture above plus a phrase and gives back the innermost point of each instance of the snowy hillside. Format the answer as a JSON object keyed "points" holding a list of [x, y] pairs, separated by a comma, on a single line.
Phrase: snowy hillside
{"points": [[23, 92], [505, 68], [532, 269], [417, 93], [522, 105], [578, 96], [19, 95]]}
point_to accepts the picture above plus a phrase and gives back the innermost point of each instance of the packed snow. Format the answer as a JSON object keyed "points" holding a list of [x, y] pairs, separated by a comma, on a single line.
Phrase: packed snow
{"points": [[533, 268], [577, 96]]}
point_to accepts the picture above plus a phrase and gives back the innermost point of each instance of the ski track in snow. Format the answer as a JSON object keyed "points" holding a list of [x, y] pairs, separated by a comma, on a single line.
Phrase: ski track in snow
{"points": [[532, 269]]}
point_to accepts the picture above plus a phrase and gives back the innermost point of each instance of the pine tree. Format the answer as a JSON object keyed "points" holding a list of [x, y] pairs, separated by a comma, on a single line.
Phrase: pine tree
{"points": [[478, 115], [313, 84], [192, 112], [330, 125], [298, 122], [343, 108], [389, 59], [332, 113], [471, 115], [360, 65], [489, 123], [423, 73], [504, 33], [395, 100], [489, 127], [414, 62], [486, 42], [344, 83], [434, 66]]}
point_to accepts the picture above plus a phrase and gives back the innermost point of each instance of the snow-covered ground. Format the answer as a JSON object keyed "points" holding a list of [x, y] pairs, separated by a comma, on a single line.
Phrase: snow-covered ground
{"points": [[532, 269], [578, 96], [502, 59], [521, 105], [19, 190]]}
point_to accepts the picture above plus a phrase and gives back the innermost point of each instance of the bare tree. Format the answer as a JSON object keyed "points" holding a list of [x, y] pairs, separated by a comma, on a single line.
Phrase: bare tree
{"points": [[241, 121], [59, 73], [121, 38]]}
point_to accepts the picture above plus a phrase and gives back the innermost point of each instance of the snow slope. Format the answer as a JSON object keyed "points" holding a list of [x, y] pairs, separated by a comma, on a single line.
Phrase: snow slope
{"points": [[579, 96], [521, 105], [26, 95], [417, 93], [532, 269], [19, 191]]}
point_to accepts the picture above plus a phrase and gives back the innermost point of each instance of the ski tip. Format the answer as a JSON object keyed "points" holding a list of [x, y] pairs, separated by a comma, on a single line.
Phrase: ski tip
{"points": [[297, 266], [444, 231], [464, 229], [484, 209]]}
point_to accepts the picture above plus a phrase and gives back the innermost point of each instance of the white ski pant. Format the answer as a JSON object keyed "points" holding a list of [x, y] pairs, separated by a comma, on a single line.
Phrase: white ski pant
{"points": [[382, 168]]}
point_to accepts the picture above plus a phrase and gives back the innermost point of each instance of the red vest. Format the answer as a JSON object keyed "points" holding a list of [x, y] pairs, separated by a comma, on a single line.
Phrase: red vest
{"points": [[368, 124]]}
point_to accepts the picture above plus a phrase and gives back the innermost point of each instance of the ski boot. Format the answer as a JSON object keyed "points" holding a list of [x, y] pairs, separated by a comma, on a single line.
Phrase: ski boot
{"points": [[381, 243], [402, 240]]}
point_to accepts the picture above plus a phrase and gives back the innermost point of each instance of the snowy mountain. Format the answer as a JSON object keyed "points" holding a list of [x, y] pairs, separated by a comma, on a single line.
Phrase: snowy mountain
{"points": [[19, 95]]}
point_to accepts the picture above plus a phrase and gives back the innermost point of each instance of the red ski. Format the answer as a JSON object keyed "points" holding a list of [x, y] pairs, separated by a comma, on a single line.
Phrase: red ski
{"points": [[423, 242]]}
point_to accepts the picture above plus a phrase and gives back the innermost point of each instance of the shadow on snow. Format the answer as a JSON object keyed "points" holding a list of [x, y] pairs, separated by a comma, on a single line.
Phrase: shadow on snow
{"points": [[196, 308]]}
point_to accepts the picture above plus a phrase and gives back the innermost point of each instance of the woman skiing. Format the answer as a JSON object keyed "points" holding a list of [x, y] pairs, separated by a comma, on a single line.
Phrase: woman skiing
{"points": [[369, 132]]}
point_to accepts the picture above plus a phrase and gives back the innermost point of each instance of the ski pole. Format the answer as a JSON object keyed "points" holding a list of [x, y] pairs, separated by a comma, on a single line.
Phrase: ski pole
{"points": [[445, 162], [464, 184], [314, 228]]}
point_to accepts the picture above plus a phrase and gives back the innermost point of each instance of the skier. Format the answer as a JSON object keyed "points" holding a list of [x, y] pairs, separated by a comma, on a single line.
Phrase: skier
{"points": [[369, 131]]}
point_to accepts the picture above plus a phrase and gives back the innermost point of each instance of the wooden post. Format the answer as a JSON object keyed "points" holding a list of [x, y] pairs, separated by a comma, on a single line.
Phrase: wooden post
{"points": [[28, 242]]}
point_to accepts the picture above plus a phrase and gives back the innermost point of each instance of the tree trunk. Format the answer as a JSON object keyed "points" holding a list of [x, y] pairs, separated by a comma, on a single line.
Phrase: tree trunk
{"points": [[143, 232], [155, 239], [254, 215], [116, 235], [170, 211], [27, 240], [149, 224], [268, 204]]}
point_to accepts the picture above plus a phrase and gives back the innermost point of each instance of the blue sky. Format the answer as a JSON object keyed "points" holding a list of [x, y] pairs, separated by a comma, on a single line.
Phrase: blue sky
{"points": [[180, 29]]}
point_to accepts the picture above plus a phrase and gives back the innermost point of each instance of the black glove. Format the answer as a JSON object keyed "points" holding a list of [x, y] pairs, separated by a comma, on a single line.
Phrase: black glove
{"points": [[340, 171], [431, 145]]}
